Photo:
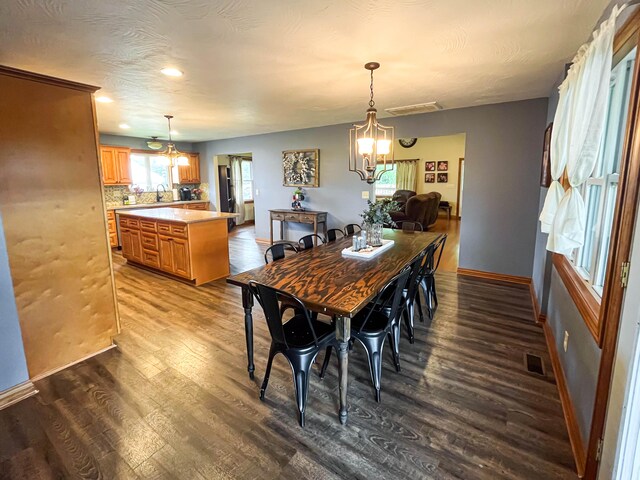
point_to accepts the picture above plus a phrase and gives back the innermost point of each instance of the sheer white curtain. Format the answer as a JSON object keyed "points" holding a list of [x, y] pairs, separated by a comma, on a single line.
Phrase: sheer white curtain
{"points": [[236, 174], [406, 175], [578, 127]]}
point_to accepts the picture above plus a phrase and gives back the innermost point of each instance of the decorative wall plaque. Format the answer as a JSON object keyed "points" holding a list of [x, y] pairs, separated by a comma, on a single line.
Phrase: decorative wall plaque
{"points": [[300, 168]]}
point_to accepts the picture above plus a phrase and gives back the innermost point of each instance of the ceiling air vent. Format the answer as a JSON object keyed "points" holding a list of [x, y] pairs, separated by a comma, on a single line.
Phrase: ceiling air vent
{"points": [[414, 109]]}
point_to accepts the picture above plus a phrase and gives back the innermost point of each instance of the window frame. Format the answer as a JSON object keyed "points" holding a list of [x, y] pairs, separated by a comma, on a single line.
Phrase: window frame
{"points": [[596, 307], [244, 200]]}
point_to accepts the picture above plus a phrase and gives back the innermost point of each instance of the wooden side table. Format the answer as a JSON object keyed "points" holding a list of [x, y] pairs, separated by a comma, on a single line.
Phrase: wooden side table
{"points": [[308, 216]]}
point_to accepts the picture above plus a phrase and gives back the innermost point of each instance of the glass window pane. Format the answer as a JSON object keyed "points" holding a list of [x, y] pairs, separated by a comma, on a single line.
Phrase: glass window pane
{"points": [[386, 186], [592, 203], [247, 187], [607, 223], [247, 173], [158, 173], [139, 170]]}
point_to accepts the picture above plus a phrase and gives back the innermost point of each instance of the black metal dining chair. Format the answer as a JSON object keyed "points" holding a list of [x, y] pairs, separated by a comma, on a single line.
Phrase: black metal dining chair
{"points": [[408, 226], [299, 340], [373, 325], [332, 234], [351, 229], [277, 251], [427, 278], [306, 242]]}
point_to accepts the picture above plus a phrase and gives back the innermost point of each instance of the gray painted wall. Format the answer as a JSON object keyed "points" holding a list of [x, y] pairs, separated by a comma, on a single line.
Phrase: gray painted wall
{"points": [[136, 142], [13, 364], [502, 169]]}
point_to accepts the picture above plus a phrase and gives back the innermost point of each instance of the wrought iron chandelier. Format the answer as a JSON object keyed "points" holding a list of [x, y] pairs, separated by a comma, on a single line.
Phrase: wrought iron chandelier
{"points": [[171, 156], [371, 144]]}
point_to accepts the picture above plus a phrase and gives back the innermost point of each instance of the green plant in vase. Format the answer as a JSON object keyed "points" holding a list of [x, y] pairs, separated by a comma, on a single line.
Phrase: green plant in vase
{"points": [[376, 216]]}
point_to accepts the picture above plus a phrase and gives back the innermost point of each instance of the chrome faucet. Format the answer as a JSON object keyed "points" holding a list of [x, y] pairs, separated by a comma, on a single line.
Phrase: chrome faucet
{"points": [[158, 196]]}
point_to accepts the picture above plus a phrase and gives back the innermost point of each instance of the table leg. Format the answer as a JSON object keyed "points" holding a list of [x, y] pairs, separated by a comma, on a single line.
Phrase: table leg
{"points": [[271, 230], [343, 333], [315, 231], [247, 303], [281, 229]]}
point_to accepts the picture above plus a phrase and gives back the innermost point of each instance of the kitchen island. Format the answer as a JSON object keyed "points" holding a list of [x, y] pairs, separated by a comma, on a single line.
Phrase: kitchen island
{"points": [[191, 245]]}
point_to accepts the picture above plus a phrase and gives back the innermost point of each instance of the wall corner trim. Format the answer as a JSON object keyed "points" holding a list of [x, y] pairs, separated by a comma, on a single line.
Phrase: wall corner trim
{"points": [[494, 276], [568, 409], [16, 394], [537, 316]]}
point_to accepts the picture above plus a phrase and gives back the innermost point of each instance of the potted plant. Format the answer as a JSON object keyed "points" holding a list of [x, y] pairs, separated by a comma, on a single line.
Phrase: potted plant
{"points": [[375, 217]]}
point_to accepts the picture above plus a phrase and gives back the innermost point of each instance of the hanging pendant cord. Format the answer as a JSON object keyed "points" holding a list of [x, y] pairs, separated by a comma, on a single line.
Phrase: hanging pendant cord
{"points": [[371, 102]]}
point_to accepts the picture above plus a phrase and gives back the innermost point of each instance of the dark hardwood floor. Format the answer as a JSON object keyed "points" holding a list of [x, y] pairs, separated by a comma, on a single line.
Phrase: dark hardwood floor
{"points": [[174, 399]]}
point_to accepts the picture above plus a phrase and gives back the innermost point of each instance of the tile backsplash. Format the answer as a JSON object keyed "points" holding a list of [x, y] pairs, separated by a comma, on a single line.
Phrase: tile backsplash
{"points": [[114, 194]]}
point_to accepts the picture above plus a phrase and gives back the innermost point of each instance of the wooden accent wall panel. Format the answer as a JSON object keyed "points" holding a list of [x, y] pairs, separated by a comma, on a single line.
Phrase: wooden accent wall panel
{"points": [[54, 219]]}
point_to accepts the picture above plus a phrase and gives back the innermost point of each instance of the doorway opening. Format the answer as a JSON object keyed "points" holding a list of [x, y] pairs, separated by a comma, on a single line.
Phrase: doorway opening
{"points": [[236, 191]]}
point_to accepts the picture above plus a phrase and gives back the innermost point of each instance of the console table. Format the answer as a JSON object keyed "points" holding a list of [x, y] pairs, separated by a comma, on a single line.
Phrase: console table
{"points": [[307, 216]]}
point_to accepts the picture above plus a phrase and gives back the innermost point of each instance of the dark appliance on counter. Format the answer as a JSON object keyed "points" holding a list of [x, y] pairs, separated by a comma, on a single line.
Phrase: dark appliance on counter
{"points": [[185, 194], [227, 202]]}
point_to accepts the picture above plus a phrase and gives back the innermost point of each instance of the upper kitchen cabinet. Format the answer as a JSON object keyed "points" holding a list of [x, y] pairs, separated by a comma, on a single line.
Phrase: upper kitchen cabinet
{"points": [[116, 166], [190, 173]]}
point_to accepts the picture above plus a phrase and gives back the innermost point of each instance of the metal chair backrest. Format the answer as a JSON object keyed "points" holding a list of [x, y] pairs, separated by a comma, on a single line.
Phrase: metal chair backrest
{"points": [[277, 251], [332, 234], [397, 283], [270, 300], [409, 226], [352, 228], [438, 248], [306, 242]]}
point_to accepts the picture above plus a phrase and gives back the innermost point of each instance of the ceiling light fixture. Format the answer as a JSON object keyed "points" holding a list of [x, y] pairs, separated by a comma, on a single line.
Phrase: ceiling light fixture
{"points": [[124, 126], [104, 99], [171, 156], [171, 72], [370, 144], [154, 144]]}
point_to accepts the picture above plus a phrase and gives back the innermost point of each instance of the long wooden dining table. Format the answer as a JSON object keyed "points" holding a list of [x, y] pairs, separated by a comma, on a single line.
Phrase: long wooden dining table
{"points": [[328, 283]]}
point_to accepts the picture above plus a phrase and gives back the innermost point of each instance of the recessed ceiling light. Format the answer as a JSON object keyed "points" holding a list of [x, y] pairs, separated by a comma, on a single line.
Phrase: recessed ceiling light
{"points": [[174, 132], [171, 72], [104, 99], [124, 126]]}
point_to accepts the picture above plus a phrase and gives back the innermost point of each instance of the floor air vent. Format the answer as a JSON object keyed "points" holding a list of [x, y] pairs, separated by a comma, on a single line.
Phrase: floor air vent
{"points": [[534, 363]]}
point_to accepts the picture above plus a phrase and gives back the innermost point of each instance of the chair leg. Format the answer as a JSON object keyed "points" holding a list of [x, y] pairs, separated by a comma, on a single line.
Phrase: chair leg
{"points": [[395, 352], [407, 314], [265, 382], [428, 298], [301, 366], [419, 303], [373, 346], [433, 290], [325, 364]]}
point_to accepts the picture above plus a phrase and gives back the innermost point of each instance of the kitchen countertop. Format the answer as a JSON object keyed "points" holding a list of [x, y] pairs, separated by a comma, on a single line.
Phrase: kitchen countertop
{"points": [[179, 215], [153, 205]]}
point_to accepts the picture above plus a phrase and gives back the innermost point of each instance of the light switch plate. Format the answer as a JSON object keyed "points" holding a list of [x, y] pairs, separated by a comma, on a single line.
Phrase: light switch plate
{"points": [[257, 192], [365, 195]]}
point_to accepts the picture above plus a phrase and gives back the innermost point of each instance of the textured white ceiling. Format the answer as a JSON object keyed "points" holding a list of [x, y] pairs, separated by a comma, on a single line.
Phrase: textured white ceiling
{"points": [[263, 66]]}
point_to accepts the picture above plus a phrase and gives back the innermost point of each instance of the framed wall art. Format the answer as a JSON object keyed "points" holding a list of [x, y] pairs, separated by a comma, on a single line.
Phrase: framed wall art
{"points": [[443, 177], [443, 166], [429, 166], [300, 168], [429, 178]]}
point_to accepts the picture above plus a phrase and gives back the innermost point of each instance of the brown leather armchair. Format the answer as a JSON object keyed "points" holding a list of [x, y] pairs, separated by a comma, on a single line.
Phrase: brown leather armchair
{"points": [[420, 208], [401, 197]]}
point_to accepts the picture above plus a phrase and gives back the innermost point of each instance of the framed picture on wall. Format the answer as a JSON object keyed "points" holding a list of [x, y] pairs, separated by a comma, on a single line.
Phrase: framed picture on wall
{"points": [[429, 178], [443, 177], [443, 166], [300, 168], [429, 167], [545, 172]]}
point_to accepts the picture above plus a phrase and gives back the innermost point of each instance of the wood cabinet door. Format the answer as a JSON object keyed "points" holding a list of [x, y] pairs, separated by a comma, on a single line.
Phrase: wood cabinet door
{"points": [[126, 242], [136, 246], [166, 255], [123, 166], [180, 254], [184, 174], [109, 169], [194, 167]]}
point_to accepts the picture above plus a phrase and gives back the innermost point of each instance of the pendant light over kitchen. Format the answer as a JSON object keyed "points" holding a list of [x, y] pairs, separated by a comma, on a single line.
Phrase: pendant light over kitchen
{"points": [[371, 144], [171, 156]]}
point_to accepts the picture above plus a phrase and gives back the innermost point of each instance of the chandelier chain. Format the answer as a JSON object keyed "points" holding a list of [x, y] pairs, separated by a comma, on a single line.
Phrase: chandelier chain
{"points": [[371, 102]]}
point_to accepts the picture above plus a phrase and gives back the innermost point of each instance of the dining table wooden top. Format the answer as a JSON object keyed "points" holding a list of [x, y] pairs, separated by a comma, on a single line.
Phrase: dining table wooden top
{"points": [[327, 282]]}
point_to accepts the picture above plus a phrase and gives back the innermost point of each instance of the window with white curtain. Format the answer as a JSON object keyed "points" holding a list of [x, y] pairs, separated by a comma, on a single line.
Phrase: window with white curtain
{"points": [[386, 186], [601, 188], [247, 180]]}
